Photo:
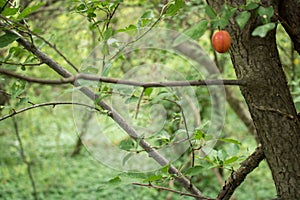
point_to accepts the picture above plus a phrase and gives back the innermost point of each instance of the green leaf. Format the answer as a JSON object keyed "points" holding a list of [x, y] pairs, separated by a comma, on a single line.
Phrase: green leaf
{"points": [[7, 38], [198, 134], [148, 92], [146, 19], [108, 33], [115, 180], [166, 168], [17, 88], [252, 6], [179, 3], [163, 135], [229, 140], [262, 30], [81, 8], [126, 158], [10, 11], [106, 68], [195, 32], [175, 7], [2, 3], [126, 144], [266, 13], [210, 12], [153, 178], [242, 19], [196, 170], [230, 160], [28, 10], [129, 29], [227, 13], [23, 100]]}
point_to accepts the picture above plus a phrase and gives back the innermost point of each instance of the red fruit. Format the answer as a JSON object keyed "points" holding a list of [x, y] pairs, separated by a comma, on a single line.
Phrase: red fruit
{"points": [[221, 41]]}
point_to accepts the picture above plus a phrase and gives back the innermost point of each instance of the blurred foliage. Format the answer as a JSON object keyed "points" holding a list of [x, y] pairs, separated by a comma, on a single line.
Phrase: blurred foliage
{"points": [[76, 28]]}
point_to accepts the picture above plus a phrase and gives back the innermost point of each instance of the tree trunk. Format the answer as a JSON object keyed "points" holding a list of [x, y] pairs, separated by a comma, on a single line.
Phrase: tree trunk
{"points": [[256, 60]]}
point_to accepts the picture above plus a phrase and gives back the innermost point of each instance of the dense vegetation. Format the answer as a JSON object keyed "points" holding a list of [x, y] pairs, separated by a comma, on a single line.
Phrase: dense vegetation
{"points": [[66, 151]]}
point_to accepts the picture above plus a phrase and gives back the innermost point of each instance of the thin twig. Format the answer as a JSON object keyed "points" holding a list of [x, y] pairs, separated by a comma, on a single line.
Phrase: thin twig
{"points": [[133, 133], [21, 64], [139, 103], [18, 97], [46, 104], [24, 159], [145, 85], [187, 133], [171, 190]]}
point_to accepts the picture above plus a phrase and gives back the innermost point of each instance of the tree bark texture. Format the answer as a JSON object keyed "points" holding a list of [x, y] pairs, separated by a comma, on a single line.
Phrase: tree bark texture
{"points": [[256, 60]]}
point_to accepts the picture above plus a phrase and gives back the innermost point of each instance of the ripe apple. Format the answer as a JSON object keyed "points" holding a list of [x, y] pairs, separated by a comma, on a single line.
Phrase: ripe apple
{"points": [[221, 41]]}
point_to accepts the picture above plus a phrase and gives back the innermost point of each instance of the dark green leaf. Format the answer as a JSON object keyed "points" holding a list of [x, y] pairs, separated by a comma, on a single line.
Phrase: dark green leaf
{"points": [[252, 6], [9, 11], [115, 180], [126, 144], [148, 92], [210, 12], [227, 13], [262, 30], [198, 134], [81, 7], [7, 38], [28, 10], [2, 3], [166, 168], [91, 15], [242, 19]]}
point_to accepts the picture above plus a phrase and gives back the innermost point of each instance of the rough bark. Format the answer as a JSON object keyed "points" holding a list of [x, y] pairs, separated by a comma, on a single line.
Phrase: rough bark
{"points": [[256, 60], [238, 176]]}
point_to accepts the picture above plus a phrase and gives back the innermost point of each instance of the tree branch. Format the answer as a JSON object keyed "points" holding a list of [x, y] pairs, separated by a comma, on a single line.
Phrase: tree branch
{"points": [[21, 64], [46, 104], [170, 190], [237, 177], [153, 153], [72, 79]]}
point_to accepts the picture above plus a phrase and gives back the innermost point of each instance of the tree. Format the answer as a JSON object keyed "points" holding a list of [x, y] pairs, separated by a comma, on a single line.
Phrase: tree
{"points": [[255, 58], [257, 61]]}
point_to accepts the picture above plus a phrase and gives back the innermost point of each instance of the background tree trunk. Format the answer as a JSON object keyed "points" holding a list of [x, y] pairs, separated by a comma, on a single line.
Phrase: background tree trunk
{"points": [[256, 60]]}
